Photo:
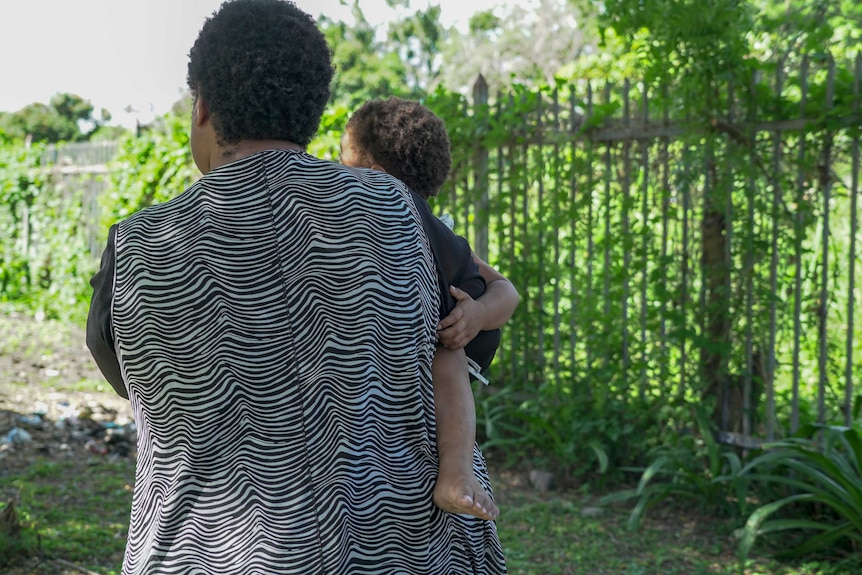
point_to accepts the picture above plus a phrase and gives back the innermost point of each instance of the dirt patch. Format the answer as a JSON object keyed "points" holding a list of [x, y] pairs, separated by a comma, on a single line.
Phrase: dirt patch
{"points": [[53, 400]]}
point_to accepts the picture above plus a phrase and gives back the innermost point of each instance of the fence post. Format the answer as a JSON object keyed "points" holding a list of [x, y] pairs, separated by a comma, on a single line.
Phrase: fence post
{"points": [[797, 255], [854, 227], [825, 184], [480, 169]]}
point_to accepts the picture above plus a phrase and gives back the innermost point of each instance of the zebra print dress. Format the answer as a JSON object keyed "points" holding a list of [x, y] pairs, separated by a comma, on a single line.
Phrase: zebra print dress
{"points": [[273, 328]]}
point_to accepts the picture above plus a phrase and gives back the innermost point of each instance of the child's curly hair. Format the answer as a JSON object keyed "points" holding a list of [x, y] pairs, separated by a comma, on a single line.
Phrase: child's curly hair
{"points": [[404, 138]]}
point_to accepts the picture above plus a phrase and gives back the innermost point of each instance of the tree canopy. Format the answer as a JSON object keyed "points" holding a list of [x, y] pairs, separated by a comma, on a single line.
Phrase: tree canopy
{"points": [[67, 117]]}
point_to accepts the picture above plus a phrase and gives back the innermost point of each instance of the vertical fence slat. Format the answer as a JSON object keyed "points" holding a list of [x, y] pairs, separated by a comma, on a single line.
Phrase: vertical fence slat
{"points": [[464, 220], [555, 170], [626, 195], [854, 227], [573, 231], [684, 272], [644, 255], [590, 237], [665, 233], [608, 169], [825, 177], [506, 238], [533, 315], [513, 212], [777, 203], [540, 252], [749, 270], [797, 253], [480, 169], [729, 215], [706, 372]]}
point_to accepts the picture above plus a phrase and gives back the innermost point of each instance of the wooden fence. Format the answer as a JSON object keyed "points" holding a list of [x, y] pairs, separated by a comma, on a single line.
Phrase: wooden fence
{"points": [[673, 259], [79, 172]]}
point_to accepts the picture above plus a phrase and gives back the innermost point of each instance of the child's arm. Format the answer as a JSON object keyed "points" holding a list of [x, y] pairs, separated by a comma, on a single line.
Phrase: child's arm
{"points": [[490, 311], [457, 489]]}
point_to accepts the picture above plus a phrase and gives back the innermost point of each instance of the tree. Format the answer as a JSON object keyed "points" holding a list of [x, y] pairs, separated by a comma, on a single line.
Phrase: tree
{"points": [[68, 117], [419, 40], [522, 43], [365, 68]]}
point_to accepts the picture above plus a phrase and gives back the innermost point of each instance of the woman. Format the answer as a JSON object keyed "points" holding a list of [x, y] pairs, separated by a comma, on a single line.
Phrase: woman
{"points": [[273, 327]]}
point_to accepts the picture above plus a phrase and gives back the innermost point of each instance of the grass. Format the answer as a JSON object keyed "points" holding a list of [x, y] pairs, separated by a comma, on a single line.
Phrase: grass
{"points": [[77, 511], [552, 536]]}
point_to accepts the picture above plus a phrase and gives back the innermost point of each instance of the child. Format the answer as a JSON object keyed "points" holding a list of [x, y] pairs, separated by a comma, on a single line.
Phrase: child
{"points": [[406, 140]]}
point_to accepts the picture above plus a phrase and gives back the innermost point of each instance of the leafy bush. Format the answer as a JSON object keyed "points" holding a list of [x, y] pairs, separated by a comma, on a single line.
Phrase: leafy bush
{"points": [[20, 187], [150, 168], [697, 469], [45, 261], [821, 468]]}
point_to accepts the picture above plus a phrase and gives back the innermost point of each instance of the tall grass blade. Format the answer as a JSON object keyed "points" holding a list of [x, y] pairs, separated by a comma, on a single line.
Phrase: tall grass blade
{"points": [[752, 526]]}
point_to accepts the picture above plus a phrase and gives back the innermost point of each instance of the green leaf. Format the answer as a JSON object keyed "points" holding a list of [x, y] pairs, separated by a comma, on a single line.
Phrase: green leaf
{"points": [[821, 540], [651, 471], [854, 444], [601, 455], [752, 525], [713, 451]]}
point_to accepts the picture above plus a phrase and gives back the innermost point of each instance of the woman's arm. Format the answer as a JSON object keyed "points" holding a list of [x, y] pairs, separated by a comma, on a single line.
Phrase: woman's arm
{"points": [[100, 340]]}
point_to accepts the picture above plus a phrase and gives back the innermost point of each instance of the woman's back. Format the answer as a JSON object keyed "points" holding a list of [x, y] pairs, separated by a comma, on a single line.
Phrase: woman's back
{"points": [[300, 441]]}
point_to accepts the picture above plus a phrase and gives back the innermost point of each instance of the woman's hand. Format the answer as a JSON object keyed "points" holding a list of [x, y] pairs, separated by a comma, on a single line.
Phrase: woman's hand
{"points": [[459, 327]]}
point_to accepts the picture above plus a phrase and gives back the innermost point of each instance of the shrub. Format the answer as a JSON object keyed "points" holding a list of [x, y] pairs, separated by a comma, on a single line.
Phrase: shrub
{"points": [[821, 467]]}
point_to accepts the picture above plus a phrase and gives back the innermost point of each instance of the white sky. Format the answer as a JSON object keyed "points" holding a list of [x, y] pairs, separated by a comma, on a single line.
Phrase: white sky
{"points": [[119, 53]]}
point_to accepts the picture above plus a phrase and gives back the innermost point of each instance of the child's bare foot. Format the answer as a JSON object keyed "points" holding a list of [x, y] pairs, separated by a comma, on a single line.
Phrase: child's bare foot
{"points": [[463, 494]]}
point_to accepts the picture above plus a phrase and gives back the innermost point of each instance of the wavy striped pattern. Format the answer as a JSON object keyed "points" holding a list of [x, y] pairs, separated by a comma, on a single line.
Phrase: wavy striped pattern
{"points": [[275, 328]]}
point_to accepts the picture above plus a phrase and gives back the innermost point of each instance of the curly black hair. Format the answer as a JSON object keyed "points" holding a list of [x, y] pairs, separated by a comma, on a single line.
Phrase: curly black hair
{"points": [[404, 138], [264, 68]]}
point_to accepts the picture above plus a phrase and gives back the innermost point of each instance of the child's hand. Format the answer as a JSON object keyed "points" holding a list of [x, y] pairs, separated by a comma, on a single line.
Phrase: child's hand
{"points": [[459, 327]]}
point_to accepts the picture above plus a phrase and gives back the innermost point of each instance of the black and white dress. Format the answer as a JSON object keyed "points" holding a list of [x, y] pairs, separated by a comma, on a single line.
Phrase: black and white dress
{"points": [[273, 328]]}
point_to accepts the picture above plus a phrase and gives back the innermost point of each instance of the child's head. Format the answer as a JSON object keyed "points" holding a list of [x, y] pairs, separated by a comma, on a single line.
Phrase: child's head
{"points": [[402, 138]]}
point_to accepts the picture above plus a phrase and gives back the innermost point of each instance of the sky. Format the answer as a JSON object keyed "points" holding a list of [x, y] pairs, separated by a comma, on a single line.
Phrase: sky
{"points": [[132, 53]]}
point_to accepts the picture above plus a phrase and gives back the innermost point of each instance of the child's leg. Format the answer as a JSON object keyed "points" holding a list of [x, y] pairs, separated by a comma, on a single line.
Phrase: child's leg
{"points": [[457, 489]]}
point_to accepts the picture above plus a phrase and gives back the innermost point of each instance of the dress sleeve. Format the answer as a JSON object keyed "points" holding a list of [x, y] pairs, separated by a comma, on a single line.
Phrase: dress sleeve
{"points": [[100, 338]]}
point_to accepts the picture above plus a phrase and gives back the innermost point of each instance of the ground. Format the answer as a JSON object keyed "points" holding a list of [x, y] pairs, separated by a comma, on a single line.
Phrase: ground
{"points": [[48, 375], [72, 483], [51, 390]]}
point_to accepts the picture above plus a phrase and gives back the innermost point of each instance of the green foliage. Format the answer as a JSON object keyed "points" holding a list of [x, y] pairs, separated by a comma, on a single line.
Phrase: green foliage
{"points": [[821, 472], [327, 144], [556, 428], [684, 36], [150, 168], [52, 238], [365, 68], [697, 469], [67, 118], [419, 39], [41, 220]]}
